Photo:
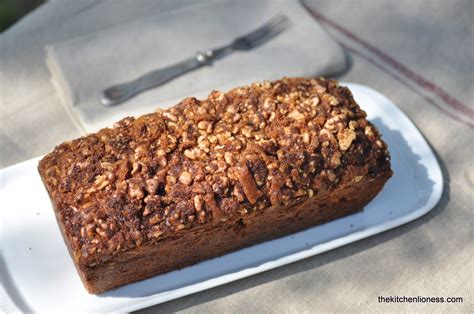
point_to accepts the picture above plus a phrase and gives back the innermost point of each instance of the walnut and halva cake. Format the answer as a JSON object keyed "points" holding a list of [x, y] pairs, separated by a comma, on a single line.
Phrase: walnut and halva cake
{"points": [[206, 177]]}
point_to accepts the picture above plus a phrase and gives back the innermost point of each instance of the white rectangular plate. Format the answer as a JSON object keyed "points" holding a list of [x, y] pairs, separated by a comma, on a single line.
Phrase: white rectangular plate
{"points": [[38, 273]]}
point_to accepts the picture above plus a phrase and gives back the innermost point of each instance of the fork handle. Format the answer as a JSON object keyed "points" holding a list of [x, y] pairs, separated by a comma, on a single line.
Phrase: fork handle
{"points": [[121, 92]]}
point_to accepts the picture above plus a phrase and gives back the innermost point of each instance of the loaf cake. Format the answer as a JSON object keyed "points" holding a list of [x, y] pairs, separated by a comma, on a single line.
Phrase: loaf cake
{"points": [[207, 177]]}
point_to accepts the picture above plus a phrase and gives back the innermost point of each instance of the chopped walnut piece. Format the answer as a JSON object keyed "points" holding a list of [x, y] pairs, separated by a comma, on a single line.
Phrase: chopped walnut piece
{"points": [[335, 160], [346, 136], [152, 185], [229, 158], [193, 154], [135, 191], [353, 125], [306, 137], [296, 115], [248, 184], [156, 234], [333, 101], [315, 101], [358, 178], [186, 178], [198, 203], [100, 183], [168, 115]]}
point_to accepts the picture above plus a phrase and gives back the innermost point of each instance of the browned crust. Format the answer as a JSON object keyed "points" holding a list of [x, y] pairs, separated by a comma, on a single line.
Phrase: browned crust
{"points": [[152, 184], [258, 227]]}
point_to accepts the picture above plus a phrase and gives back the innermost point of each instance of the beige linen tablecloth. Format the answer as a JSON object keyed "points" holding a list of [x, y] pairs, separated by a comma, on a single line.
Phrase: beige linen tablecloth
{"points": [[417, 53]]}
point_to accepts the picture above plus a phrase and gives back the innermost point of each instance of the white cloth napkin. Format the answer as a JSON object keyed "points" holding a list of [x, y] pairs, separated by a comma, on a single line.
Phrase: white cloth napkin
{"points": [[82, 67]]}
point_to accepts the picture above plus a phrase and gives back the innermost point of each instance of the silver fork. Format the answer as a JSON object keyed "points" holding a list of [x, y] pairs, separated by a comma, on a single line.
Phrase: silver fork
{"points": [[121, 92]]}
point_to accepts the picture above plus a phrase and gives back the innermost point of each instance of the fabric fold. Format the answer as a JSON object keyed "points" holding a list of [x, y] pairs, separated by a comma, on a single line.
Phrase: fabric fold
{"points": [[84, 66]]}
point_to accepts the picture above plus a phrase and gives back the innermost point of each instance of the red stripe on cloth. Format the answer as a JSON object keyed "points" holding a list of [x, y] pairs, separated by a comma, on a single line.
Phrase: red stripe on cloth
{"points": [[432, 87], [399, 79]]}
